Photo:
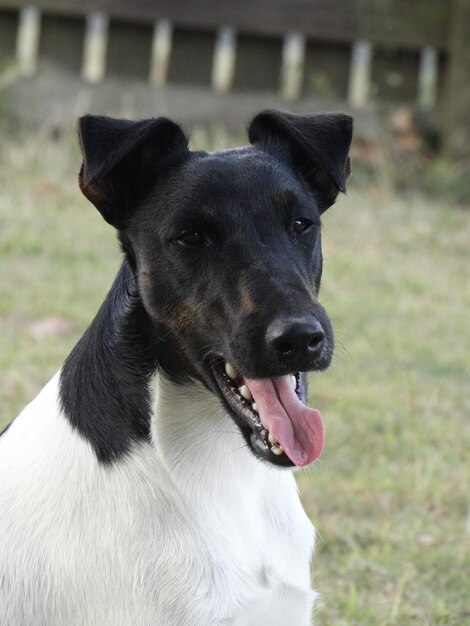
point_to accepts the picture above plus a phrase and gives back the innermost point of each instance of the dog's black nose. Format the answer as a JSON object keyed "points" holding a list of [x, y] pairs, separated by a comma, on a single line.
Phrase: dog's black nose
{"points": [[296, 339]]}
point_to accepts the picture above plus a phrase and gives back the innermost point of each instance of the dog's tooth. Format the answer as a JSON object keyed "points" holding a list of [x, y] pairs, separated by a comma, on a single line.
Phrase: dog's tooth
{"points": [[272, 439], [245, 392], [293, 380], [263, 432], [254, 406], [231, 371], [277, 450]]}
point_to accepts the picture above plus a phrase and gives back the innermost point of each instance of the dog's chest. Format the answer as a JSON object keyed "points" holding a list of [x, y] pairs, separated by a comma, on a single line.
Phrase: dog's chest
{"points": [[261, 556], [247, 520], [247, 556]]}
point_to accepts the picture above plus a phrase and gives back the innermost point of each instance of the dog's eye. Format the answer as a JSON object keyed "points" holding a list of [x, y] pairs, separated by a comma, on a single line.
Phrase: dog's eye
{"points": [[192, 238], [301, 225]]}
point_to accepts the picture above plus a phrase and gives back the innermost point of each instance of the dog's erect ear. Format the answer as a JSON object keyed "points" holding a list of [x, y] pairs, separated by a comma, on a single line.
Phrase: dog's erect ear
{"points": [[317, 147], [122, 158]]}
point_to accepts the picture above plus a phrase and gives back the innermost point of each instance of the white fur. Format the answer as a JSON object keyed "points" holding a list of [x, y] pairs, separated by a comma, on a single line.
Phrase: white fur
{"points": [[189, 531]]}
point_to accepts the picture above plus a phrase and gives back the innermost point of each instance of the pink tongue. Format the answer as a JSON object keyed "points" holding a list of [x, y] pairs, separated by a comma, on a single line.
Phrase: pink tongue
{"points": [[298, 429]]}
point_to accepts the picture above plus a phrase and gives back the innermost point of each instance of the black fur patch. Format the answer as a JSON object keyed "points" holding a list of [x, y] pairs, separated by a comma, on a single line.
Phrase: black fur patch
{"points": [[104, 382]]}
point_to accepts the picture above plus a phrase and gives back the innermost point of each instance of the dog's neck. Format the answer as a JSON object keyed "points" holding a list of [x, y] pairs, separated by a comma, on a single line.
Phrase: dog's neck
{"points": [[104, 381], [198, 441], [119, 375]]}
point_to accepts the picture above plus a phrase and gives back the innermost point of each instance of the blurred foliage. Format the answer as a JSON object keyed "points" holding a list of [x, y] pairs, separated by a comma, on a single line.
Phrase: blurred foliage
{"points": [[409, 158], [438, 178]]}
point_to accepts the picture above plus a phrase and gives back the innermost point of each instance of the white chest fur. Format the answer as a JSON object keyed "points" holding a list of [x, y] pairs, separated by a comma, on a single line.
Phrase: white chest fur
{"points": [[191, 530]]}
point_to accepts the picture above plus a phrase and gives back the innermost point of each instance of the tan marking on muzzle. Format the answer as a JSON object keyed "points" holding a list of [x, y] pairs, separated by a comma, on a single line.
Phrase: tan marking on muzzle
{"points": [[183, 316], [180, 316], [146, 276], [248, 305]]}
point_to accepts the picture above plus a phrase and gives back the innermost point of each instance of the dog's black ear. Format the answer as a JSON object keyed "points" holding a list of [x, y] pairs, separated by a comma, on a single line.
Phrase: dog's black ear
{"points": [[317, 147], [122, 158]]}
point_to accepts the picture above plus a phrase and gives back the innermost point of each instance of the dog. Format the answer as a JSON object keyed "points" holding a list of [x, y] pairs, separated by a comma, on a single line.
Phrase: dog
{"points": [[149, 482]]}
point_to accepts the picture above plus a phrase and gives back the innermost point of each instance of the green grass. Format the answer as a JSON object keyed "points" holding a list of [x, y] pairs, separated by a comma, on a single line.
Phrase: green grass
{"points": [[390, 497]]}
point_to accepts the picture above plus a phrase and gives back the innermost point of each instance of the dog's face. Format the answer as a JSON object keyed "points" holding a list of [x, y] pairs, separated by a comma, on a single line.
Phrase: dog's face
{"points": [[226, 250]]}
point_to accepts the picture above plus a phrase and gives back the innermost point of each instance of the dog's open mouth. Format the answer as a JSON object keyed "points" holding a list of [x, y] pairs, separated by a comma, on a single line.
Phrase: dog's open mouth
{"points": [[282, 429]]}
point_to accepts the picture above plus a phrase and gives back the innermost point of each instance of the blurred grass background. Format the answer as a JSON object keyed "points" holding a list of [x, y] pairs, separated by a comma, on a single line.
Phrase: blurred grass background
{"points": [[390, 495]]}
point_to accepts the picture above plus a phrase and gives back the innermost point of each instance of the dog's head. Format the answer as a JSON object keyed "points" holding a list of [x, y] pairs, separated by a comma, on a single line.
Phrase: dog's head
{"points": [[226, 251]]}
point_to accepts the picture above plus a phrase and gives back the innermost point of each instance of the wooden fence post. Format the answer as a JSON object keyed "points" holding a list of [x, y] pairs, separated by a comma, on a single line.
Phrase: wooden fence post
{"points": [[293, 62], [27, 42], [223, 65], [427, 78], [359, 73], [456, 109], [161, 50], [94, 47]]}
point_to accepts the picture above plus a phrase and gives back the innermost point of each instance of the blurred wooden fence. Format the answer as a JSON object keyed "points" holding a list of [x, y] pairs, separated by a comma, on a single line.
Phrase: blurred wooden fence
{"points": [[348, 51]]}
